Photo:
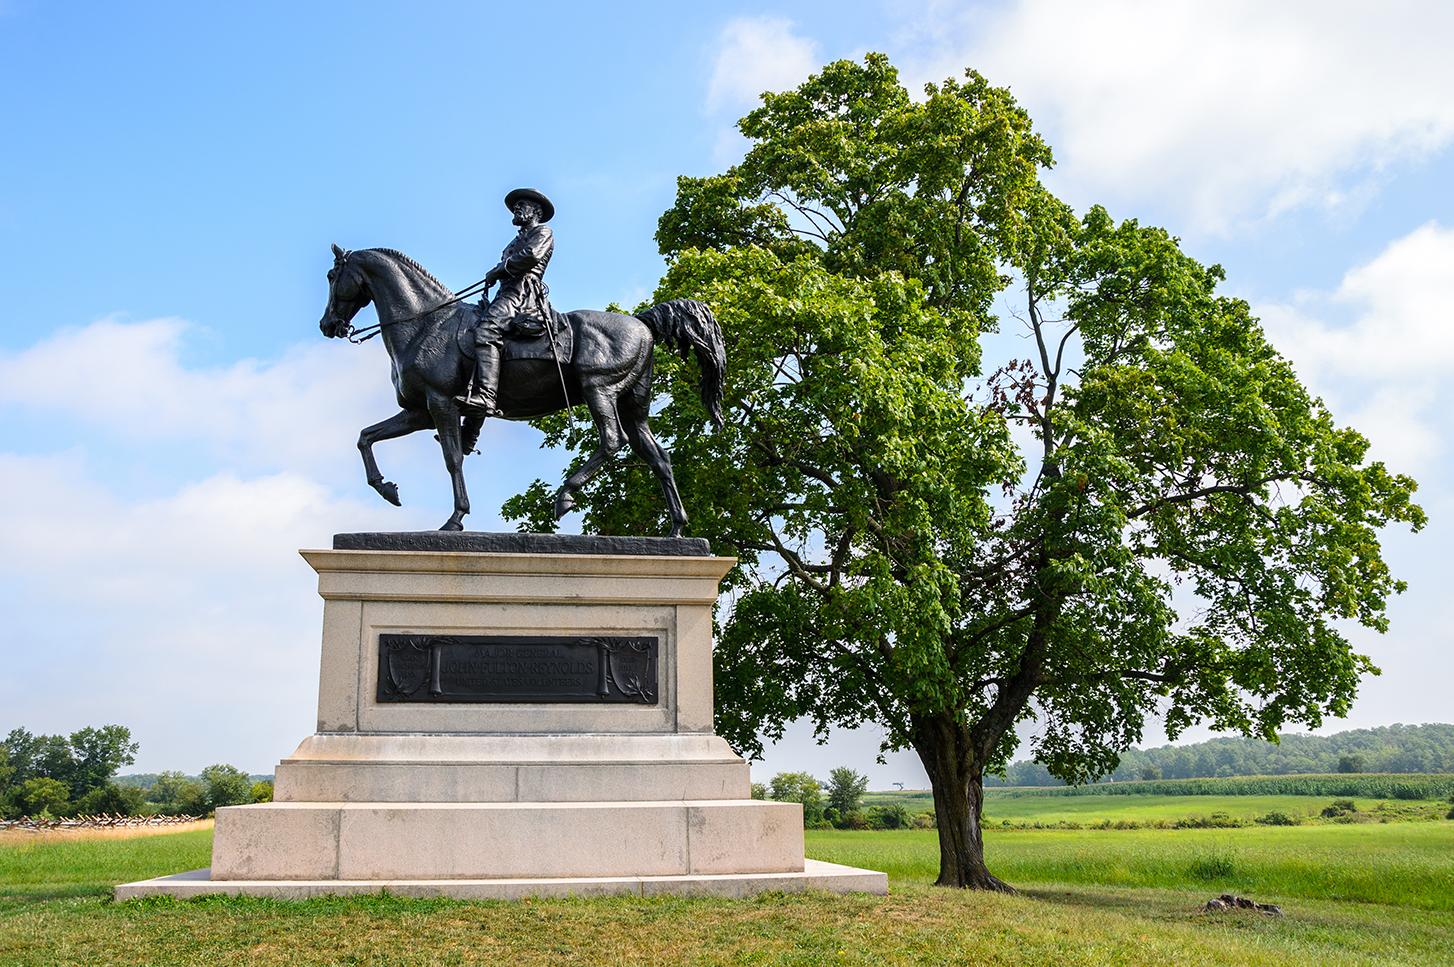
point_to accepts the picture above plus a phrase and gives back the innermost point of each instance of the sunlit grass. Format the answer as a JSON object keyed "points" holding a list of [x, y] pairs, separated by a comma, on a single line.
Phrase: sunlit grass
{"points": [[1353, 894], [1404, 864]]}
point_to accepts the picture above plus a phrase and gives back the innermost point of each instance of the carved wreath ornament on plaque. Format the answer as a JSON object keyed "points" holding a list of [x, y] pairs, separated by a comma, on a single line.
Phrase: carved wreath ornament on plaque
{"points": [[517, 668]]}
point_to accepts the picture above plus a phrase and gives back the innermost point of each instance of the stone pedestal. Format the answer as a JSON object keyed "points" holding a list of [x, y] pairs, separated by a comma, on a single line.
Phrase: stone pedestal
{"points": [[427, 777]]}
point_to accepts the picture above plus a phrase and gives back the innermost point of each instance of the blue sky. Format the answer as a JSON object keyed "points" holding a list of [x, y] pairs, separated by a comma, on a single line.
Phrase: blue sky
{"points": [[172, 174]]}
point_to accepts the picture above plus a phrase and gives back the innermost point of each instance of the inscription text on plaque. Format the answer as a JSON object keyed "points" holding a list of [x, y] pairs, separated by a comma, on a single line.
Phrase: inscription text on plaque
{"points": [[517, 668]]}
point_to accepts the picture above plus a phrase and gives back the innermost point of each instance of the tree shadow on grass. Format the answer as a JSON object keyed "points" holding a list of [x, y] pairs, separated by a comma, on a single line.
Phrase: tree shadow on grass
{"points": [[12, 901], [1157, 904]]}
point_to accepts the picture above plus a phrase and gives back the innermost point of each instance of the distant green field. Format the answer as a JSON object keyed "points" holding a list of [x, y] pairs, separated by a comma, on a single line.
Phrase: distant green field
{"points": [[1353, 894], [1089, 809], [1385, 785], [1027, 810], [914, 800]]}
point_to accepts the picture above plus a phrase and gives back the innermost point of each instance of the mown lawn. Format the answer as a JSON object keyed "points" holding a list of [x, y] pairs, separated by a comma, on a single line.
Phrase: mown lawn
{"points": [[1353, 895]]}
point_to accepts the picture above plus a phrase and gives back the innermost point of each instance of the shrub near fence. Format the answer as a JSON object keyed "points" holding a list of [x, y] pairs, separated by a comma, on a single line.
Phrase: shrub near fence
{"points": [[1365, 785]]}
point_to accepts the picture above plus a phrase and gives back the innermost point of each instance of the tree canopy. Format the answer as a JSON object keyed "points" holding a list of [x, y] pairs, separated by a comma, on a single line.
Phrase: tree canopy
{"points": [[1146, 512], [845, 789], [50, 773]]}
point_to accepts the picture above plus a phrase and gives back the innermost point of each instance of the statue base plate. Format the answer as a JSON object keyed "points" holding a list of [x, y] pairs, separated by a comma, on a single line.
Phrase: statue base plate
{"points": [[815, 875]]}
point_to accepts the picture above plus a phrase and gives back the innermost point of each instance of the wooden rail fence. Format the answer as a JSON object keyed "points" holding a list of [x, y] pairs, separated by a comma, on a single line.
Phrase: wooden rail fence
{"points": [[100, 821]]}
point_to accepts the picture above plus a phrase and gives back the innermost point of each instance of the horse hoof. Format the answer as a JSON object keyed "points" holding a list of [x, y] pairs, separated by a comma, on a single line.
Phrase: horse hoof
{"points": [[452, 525], [389, 491], [564, 504]]}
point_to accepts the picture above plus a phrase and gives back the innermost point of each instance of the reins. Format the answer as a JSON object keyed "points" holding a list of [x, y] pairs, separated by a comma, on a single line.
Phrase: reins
{"points": [[357, 336]]}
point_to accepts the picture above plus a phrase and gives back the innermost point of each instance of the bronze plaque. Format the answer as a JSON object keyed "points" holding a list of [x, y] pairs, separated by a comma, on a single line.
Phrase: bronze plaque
{"points": [[517, 668]]}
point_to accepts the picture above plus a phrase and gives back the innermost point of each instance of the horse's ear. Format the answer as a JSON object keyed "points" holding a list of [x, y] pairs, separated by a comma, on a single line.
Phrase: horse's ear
{"points": [[337, 252]]}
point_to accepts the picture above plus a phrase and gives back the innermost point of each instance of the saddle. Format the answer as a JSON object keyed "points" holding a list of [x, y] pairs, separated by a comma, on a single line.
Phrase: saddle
{"points": [[525, 338]]}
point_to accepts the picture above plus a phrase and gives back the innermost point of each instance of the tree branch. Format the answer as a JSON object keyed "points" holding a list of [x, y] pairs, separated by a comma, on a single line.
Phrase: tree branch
{"points": [[801, 569], [1167, 678], [1242, 490], [1019, 614]]}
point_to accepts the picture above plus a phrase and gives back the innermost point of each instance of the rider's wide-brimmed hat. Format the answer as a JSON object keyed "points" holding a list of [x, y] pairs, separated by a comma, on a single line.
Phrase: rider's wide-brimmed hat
{"points": [[547, 210]]}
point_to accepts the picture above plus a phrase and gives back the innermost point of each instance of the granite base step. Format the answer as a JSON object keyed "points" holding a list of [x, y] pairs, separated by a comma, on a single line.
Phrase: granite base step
{"points": [[489, 840], [815, 875]]}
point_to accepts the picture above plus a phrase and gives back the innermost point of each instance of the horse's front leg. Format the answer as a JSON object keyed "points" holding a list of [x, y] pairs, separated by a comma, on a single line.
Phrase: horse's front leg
{"points": [[400, 424], [445, 413]]}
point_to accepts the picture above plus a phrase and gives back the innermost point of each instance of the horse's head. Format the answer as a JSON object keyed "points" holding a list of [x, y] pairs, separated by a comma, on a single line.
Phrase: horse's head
{"points": [[348, 292]]}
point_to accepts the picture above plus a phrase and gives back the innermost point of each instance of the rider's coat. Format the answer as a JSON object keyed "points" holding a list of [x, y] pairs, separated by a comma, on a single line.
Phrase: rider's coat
{"points": [[523, 291]]}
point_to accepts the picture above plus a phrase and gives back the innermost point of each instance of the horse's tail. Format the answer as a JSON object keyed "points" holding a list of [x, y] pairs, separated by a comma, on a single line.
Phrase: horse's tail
{"points": [[686, 325]]}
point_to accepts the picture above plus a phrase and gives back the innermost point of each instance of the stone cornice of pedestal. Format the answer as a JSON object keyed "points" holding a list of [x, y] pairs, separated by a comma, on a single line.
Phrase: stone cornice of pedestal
{"points": [[490, 577], [525, 748]]}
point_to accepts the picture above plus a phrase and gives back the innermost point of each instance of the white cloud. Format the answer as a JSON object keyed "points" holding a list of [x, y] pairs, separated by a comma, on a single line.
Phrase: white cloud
{"points": [[186, 616], [1224, 112], [223, 529], [758, 54], [130, 379], [1380, 347], [160, 580]]}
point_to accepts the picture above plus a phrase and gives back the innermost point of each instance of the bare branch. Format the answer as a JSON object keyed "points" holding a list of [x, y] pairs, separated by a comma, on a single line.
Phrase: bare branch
{"points": [[1060, 350]]}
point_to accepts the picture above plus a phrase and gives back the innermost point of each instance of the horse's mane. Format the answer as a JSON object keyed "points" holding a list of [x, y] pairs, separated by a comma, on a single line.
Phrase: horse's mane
{"points": [[410, 263]]}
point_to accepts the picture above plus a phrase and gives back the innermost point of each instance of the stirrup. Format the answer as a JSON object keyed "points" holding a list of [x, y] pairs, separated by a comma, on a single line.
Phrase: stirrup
{"points": [[477, 405]]}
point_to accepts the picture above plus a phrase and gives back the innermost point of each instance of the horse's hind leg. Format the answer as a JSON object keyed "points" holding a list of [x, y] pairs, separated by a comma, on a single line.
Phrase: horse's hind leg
{"points": [[400, 424], [648, 448], [470, 435], [446, 421], [602, 402]]}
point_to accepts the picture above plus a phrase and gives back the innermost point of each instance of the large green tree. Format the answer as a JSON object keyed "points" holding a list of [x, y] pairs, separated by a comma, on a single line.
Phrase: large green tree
{"points": [[845, 790], [1144, 511], [87, 759], [175, 794], [226, 786], [802, 788]]}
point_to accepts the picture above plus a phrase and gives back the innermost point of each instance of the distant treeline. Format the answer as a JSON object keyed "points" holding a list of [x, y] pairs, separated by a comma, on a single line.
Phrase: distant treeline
{"points": [[146, 780], [58, 776], [1365, 786], [1390, 749]]}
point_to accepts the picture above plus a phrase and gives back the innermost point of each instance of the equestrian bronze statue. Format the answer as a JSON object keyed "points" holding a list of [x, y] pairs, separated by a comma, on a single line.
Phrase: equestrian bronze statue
{"points": [[545, 361]]}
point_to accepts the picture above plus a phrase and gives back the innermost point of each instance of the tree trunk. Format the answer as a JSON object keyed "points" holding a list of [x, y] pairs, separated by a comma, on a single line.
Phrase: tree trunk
{"points": [[956, 777]]}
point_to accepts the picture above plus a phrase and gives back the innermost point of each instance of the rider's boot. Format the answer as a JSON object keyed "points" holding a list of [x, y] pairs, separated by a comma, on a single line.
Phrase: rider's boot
{"points": [[487, 377]]}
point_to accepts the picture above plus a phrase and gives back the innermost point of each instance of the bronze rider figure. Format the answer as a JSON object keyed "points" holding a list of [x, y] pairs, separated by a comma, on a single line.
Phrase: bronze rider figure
{"points": [[523, 293]]}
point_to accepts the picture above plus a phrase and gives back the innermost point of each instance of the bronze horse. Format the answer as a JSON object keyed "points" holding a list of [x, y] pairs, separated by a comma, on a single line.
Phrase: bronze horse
{"points": [[609, 370]]}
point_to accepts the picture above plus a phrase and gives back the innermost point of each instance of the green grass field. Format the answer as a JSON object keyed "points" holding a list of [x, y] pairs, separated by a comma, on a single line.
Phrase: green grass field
{"points": [[1367, 787], [1026, 808], [1148, 809], [1370, 893]]}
